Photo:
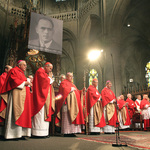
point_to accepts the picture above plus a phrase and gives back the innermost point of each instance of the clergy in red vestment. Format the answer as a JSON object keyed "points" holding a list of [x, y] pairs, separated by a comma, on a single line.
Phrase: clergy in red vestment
{"points": [[2, 80], [109, 105], [144, 106], [95, 114], [69, 110], [16, 95], [43, 105], [123, 114], [131, 105]]}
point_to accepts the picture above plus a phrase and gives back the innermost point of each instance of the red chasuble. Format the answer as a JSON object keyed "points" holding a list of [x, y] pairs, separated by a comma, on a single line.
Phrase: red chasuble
{"points": [[144, 102], [107, 97], [65, 89], [41, 87], [131, 106], [15, 78], [3, 104], [92, 97], [121, 104]]}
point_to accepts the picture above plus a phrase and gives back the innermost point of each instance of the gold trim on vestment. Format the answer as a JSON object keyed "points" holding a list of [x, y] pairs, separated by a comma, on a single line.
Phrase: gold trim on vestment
{"points": [[19, 96], [110, 110], [123, 115], [72, 106], [3, 113], [47, 103], [98, 111], [53, 98]]}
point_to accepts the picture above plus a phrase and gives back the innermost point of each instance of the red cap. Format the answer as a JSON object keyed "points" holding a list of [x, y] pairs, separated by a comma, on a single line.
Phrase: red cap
{"points": [[108, 81], [94, 80], [48, 63], [19, 61]]}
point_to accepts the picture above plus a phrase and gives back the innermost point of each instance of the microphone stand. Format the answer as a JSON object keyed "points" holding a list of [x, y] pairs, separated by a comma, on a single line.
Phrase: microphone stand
{"points": [[117, 123]]}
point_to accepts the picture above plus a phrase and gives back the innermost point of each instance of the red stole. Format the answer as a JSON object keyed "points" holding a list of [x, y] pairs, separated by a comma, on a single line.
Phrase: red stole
{"points": [[65, 89], [41, 87], [14, 78]]}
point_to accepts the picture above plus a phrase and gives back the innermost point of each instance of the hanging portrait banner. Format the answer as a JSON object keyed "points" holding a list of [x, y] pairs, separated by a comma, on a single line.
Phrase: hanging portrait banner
{"points": [[45, 34]]}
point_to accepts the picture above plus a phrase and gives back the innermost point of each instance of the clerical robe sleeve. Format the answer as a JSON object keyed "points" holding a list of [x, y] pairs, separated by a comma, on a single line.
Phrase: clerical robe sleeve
{"points": [[21, 86], [51, 80]]}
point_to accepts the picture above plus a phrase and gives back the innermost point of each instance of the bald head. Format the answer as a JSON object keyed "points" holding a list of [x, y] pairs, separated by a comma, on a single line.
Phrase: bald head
{"points": [[69, 76], [8, 68], [145, 96], [108, 84], [62, 77], [129, 95], [122, 97], [139, 97]]}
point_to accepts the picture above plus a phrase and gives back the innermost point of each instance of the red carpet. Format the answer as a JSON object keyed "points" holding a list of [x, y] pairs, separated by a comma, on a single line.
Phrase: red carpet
{"points": [[137, 140]]}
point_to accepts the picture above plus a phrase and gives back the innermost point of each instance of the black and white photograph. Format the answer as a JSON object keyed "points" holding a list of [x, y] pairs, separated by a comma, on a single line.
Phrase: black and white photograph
{"points": [[45, 34]]}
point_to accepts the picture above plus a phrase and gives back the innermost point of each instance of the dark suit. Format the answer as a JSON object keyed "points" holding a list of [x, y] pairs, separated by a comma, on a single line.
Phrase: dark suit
{"points": [[53, 48]]}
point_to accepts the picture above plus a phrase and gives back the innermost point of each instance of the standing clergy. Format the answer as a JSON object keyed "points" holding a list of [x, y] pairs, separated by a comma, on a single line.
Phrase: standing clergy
{"points": [[2, 80], [138, 102], [109, 105], [71, 116], [43, 100], [131, 105], [123, 114], [16, 94], [145, 111], [94, 109]]}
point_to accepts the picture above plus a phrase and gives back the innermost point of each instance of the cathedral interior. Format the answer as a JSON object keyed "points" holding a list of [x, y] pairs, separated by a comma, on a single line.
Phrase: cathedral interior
{"points": [[121, 28]]}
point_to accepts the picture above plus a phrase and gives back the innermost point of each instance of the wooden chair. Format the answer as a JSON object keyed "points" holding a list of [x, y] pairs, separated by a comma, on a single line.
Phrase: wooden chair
{"points": [[137, 118]]}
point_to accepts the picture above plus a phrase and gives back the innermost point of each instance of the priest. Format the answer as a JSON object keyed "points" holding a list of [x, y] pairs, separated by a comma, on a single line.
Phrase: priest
{"points": [[94, 109], [43, 104], [123, 114], [16, 95], [110, 111], [131, 105], [144, 106], [69, 110], [2, 80]]}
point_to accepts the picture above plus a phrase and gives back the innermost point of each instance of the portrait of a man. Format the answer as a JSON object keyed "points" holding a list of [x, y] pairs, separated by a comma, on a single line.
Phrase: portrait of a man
{"points": [[45, 34]]}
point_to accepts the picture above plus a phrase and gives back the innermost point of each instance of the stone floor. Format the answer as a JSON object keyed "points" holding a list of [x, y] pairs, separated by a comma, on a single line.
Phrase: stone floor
{"points": [[66, 143]]}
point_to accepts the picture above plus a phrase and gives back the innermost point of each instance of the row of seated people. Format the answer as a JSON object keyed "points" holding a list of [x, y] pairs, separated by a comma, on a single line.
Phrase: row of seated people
{"points": [[26, 107]]}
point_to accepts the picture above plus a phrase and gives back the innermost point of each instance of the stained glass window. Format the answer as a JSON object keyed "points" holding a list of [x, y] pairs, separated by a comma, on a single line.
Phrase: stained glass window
{"points": [[147, 76], [93, 75]]}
